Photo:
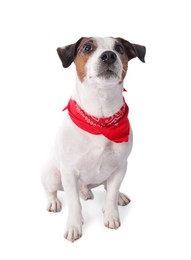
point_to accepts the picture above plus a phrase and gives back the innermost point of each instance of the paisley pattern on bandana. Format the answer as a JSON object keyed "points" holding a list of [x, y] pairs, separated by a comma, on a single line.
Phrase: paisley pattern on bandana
{"points": [[116, 127]]}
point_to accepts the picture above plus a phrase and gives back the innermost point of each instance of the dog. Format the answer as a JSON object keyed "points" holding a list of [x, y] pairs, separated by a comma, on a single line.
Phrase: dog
{"points": [[95, 139]]}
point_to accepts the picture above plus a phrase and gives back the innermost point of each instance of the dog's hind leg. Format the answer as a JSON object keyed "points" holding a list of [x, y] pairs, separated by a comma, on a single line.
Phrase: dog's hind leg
{"points": [[54, 204], [85, 192], [51, 180], [123, 199]]}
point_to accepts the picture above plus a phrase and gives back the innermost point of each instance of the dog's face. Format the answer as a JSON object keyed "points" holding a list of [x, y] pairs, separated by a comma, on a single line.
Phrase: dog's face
{"points": [[101, 60]]}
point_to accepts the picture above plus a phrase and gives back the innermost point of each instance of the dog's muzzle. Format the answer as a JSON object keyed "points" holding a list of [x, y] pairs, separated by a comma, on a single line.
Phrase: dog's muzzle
{"points": [[107, 64]]}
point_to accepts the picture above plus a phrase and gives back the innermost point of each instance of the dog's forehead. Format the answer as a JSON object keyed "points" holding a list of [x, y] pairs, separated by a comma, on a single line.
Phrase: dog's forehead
{"points": [[105, 43]]}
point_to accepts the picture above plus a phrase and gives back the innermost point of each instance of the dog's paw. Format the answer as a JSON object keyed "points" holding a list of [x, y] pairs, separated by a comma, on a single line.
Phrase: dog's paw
{"points": [[54, 205], [73, 230], [123, 199], [86, 194], [111, 220]]}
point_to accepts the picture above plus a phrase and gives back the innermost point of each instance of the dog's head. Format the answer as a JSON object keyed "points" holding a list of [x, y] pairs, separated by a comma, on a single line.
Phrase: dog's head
{"points": [[101, 60]]}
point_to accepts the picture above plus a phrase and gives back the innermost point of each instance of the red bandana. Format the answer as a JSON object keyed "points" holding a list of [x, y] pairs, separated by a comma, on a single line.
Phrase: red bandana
{"points": [[116, 128]]}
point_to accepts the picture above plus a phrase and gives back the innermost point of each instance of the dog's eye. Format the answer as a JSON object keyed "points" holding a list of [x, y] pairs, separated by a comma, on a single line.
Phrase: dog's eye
{"points": [[87, 48], [119, 48]]}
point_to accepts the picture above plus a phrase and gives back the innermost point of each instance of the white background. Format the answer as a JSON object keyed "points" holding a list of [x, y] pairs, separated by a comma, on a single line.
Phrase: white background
{"points": [[34, 88]]}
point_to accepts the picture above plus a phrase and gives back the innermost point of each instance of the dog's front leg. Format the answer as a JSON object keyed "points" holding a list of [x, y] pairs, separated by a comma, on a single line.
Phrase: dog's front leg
{"points": [[74, 223], [110, 210]]}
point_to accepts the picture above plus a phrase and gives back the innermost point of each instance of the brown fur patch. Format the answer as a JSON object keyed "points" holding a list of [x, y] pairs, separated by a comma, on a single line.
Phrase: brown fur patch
{"points": [[82, 58], [124, 61]]}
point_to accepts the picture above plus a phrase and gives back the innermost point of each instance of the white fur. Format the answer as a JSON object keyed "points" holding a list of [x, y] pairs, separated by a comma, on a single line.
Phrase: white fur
{"points": [[81, 161], [103, 45]]}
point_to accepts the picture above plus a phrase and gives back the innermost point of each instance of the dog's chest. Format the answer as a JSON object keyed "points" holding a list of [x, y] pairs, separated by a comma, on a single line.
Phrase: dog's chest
{"points": [[100, 160], [93, 157]]}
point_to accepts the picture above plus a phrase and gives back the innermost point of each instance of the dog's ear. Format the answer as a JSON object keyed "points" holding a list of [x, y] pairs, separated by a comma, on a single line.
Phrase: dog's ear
{"points": [[133, 50], [68, 53]]}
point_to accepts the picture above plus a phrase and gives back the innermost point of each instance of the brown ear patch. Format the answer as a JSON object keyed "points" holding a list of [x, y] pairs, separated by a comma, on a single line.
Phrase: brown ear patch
{"points": [[133, 50], [82, 57], [68, 53]]}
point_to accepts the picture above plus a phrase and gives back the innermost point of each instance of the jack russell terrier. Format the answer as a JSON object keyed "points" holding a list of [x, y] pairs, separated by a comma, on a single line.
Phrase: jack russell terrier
{"points": [[95, 139]]}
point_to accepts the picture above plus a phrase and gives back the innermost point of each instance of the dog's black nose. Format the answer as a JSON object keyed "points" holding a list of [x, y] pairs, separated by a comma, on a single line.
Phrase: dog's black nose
{"points": [[108, 57]]}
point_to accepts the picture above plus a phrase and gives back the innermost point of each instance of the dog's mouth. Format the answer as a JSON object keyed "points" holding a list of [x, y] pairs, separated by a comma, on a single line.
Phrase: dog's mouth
{"points": [[107, 73]]}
